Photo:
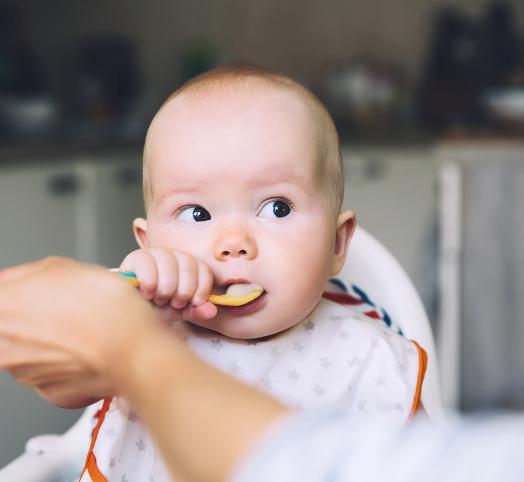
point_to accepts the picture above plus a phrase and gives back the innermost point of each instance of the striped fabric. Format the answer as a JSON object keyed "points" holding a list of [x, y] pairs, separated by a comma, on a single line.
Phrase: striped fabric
{"points": [[359, 301]]}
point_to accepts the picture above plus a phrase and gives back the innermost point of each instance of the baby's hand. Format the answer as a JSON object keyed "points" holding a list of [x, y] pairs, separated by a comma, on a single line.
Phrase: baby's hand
{"points": [[174, 281]]}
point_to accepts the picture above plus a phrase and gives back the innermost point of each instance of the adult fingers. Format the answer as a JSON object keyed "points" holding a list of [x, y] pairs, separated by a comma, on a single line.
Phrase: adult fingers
{"points": [[13, 273]]}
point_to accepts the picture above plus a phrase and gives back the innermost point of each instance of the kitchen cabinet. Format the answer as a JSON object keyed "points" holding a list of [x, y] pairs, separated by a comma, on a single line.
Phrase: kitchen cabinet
{"points": [[82, 208], [118, 202], [393, 192], [37, 212], [482, 274]]}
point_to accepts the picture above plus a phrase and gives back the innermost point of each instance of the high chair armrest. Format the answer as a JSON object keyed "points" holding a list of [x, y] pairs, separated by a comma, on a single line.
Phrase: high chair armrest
{"points": [[54, 458]]}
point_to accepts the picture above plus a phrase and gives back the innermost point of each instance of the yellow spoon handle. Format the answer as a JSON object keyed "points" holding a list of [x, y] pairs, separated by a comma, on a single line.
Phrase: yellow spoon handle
{"points": [[131, 277], [223, 300]]}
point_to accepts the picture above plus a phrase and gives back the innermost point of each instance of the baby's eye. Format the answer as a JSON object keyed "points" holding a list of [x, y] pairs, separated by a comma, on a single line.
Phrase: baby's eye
{"points": [[275, 209], [194, 214]]}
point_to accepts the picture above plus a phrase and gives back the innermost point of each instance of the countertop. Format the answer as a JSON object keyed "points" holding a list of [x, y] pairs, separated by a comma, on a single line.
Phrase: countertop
{"points": [[21, 153], [55, 150]]}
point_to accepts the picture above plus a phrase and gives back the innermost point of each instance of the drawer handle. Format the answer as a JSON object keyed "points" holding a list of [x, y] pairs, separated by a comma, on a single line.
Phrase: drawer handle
{"points": [[128, 177], [63, 185]]}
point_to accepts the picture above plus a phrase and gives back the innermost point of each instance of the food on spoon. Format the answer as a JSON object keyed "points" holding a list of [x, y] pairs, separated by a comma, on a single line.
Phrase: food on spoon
{"points": [[237, 295]]}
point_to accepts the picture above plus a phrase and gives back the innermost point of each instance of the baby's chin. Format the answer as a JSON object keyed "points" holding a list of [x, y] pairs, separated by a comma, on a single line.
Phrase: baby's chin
{"points": [[246, 328]]}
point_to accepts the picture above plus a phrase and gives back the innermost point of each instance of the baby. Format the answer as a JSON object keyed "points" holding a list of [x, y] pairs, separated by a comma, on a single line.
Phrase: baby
{"points": [[243, 189]]}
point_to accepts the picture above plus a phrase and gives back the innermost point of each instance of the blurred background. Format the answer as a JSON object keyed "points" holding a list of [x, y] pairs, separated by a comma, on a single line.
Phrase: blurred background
{"points": [[428, 97]]}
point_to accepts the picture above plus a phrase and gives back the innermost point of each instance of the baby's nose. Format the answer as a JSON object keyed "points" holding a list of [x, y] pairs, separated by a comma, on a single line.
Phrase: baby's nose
{"points": [[235, 243]]}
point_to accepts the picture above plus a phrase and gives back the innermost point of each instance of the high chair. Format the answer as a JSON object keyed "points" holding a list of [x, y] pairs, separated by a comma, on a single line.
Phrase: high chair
{"points": [[370, 269]]}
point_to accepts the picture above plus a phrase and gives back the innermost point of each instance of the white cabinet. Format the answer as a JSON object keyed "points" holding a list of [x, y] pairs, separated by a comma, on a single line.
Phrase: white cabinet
{"points": [[37, 212], [482, 274], [393, 192], [119, 201], [81, 208]]}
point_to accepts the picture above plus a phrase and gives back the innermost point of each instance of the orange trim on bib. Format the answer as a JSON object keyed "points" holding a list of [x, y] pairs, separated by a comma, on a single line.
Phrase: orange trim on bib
{"points": [[90, 465], [422, 366], [93, 470]]}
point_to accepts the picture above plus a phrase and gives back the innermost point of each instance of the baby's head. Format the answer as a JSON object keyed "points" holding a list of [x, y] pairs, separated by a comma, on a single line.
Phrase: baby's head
{"points": [[242, 170]]}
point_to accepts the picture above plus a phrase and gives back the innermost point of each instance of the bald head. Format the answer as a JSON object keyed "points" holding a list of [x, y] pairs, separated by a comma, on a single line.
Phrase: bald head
{"points": [[227, 84]]}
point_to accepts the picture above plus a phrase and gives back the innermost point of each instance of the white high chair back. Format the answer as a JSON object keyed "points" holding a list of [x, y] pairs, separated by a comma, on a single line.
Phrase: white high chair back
{"points": [[370, 267]]}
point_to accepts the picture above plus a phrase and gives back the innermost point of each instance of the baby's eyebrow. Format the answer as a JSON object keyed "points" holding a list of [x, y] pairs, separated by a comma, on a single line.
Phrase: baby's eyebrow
{"points": [[181, 190], [268, 178], [278, 176]]}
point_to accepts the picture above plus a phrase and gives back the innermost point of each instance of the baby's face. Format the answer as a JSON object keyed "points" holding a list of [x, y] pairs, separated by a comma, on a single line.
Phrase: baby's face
{"points": [[235, 184]]}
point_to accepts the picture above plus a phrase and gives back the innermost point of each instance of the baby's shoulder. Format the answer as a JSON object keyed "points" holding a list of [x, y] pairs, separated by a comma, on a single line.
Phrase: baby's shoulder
{"points": [[379, 367], [330, 313], [349, 326]]}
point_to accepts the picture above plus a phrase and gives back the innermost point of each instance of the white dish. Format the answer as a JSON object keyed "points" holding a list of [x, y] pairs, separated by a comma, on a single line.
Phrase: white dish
{"points": [[506, 104]]}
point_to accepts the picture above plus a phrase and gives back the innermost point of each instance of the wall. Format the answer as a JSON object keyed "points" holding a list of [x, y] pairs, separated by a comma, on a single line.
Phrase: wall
{"points": [[300, 37]]}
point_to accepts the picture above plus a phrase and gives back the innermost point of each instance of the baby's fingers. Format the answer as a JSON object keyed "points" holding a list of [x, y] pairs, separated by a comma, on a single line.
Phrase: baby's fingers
{"points": [[204, 284], [168, 273], [202, 312], [187, 280], [144, 266]]}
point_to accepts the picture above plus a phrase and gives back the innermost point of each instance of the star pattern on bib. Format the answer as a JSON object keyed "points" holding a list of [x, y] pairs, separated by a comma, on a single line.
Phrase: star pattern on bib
{"points": [[319, 390], [276, 352], [380, 381], [354, 362], [217, 344], [309, 325], [234, 367], [298, 346], [325, 363], [332, 357], [141, 446]]}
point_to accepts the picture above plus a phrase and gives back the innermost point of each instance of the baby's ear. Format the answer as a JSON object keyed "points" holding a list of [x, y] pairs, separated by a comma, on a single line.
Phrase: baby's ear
{"points": [[346, 224], [140, 232]]}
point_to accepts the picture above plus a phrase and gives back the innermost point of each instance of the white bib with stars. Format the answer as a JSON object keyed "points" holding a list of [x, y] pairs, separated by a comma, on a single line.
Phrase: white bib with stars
{"points": [[335, 356]]}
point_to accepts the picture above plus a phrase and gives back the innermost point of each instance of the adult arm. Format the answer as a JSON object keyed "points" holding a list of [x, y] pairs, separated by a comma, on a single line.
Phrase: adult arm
{"points": [[332, 445]]}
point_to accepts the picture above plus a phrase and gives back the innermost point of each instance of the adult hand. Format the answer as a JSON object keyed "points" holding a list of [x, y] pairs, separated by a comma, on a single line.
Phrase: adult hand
{"points": [[67, 327]]}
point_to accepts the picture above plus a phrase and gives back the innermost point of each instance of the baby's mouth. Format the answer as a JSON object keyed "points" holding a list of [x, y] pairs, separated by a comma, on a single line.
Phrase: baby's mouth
{"points": [[236, 294]]}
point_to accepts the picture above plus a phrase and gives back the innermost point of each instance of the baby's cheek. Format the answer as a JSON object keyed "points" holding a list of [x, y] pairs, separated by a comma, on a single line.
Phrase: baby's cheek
{"points": [[301, 298], [301, 278]]}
